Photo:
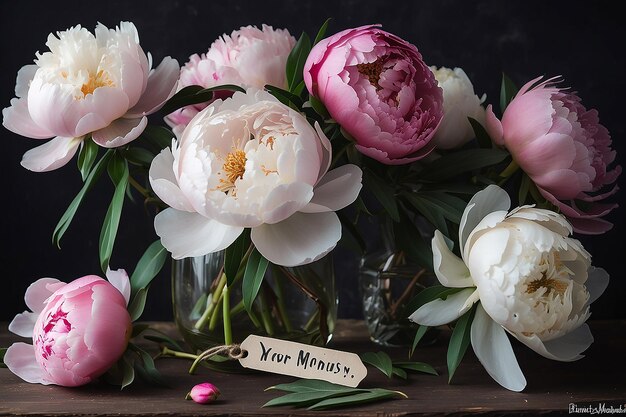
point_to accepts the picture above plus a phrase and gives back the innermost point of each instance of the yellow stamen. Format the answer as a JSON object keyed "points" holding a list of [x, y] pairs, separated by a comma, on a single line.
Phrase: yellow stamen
{"points": [[100, 79], [549, 283], [234, 168]]}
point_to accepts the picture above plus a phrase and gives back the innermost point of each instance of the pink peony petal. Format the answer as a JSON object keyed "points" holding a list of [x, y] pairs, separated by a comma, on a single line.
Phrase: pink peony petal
{"points": [[119, 279], [282, 243], [284, 200], [23, 324], [51, 155], [20, 359], [120, 132], [162, 84], [39, 291], [17, 119]]}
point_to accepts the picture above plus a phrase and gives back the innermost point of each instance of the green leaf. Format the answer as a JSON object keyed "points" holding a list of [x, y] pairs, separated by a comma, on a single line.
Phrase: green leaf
{"points": [[380, 360], [303, 399], [305, 385], [429, 294], [68, 216], [163, 338], [524, 188], [459, 341], [399, 372], [319, 107], [87, 157], [2, 353], [417, 367], [252, 278], [128, 372], [322, 32], [148, 266], [483, 138], [429, 210], [234, 254], [118, 171], [508, 90], [409, 239], [384, 193], [148, 371], [139, 329], [295, 61], [158, 136], [352, 232], [195, 94], [460, 162], [375, 394], [285, 97], [137, 304], [138, 156], [421, 331]]}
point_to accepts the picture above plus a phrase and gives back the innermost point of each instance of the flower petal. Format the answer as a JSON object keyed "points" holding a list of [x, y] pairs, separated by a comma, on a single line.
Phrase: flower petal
{"points": [[439, 311], [492, 198], [300, 239], [20, 359], [162, 83], [23, 324], [39, 291], [493, 349], [336, 190], [566, 348], [450, 270], [190, 234], [119, 279], [17, 119], [120, 132], [164, 182], [596, 283], [494, 127], [51, 155]]}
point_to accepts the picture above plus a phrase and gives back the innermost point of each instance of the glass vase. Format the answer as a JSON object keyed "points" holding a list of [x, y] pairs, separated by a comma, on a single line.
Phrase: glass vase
{"points": [[388, 282], [296, 303]]}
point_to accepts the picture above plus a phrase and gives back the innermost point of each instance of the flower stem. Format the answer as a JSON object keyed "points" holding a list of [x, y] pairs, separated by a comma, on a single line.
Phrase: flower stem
{"points": [[237, 309], [143, 191], [280, 304], [177, 354], [265, 315], [211, 306], [228, 335], [509, 170]]}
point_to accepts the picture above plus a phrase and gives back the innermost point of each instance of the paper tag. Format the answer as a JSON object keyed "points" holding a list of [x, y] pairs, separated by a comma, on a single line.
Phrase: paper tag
{"points": [[304, 361]]}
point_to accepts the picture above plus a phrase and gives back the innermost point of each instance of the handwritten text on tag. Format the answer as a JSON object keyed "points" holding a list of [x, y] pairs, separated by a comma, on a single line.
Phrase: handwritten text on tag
{"points": [[304, 361]]}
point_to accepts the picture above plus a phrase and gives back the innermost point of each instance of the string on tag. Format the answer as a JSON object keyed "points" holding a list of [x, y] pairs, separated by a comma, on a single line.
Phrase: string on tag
{"points": [[233, 351]]}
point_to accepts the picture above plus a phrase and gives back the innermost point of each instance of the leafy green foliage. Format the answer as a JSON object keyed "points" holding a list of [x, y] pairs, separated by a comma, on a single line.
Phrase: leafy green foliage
{"points": [[409, 239], [118, 171], [137, 304], [195, 94], [148, 266], [68, 216], [295, 62], [416, 367], [286, 97], [384, 193], [483, 138], [87, 157], [429, 294], [419, 334], [380, 360], [138, 156], [383, 362], [322, 395], [461, 162], [234, 255], [459, 341], [321, 33], [508, 90], [252, 278], [158, 137]]}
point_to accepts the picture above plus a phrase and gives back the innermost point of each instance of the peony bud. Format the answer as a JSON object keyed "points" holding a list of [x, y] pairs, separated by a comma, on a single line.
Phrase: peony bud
{"points": [[204, 393]]}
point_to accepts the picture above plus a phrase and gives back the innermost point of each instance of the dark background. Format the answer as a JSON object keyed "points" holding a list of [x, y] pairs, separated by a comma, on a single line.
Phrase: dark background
{"points": [[581, 40]]}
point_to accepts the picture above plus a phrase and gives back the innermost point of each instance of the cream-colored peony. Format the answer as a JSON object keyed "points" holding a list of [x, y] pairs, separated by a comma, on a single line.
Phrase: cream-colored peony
{"points": [[532, 280], [252, 162], [459, 103]]}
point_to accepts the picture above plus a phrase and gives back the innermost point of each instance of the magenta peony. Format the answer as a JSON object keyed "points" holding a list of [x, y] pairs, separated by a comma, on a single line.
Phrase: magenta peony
{"points": [[204, 393], [563, 148], [249, 57], [378, 88], [79, 330]]}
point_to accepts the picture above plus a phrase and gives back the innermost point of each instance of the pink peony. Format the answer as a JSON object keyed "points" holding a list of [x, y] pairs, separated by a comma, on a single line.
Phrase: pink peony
{"points": [[204, 393], [376, 86], [97, 84], [249, 57], [563, 148], [79, 329]]}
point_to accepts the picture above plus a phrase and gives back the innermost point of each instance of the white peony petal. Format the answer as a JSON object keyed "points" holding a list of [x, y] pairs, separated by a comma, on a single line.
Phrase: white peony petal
{"points": [[162, 83], [23, 324], [336, 190], [120, 132], [24, 76], [284, 200], [51, 155], [301, 239], [493, 349], [190, 234], [549, 219], [492, 198], [119, 279], [164, 182], [566, 348], [450, 270], [20, 359], [597, 282], [439, 311], [17, 119], [327, 152], [39, 291]]}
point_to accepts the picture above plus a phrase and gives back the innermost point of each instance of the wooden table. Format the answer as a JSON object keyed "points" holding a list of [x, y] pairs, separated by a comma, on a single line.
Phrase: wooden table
{"points": [[598, 378]]}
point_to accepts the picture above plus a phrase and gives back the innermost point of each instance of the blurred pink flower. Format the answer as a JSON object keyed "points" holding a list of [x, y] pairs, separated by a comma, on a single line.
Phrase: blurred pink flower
{"points": [[378, 88], [79, 330], [249, 57], [204, 393], [97, 84], [563, 148]]}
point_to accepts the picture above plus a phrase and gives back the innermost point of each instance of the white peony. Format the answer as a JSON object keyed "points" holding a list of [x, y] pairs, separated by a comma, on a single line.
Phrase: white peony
{"points": [[252, 162], [459, 103], [531, 279], [97, 84]]}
